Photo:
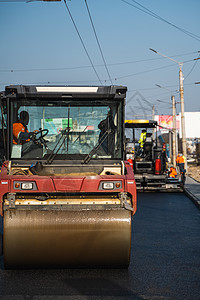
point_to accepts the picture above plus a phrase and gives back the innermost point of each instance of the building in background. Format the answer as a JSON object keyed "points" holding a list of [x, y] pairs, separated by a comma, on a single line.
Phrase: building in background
{"points": [[192, 128], [192, 125], [165, 123]]}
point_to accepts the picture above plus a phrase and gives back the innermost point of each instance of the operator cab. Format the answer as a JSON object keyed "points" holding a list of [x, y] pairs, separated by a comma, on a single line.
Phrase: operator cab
{"points": [[145, 149], [65, 123], [142, 136]]}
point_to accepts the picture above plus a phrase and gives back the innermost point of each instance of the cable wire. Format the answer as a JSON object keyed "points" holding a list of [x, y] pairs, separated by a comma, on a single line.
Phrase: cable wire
{"points": [[149, 12], [27, 1], [84, 67], [192, 67], [117, 78], [164, 20], [153, 69], [82, 42], [92, 23], [142, 72]]}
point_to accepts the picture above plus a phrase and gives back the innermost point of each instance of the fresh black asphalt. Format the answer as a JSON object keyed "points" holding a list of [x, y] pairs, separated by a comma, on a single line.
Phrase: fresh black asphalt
{"points": [[165, 261]]}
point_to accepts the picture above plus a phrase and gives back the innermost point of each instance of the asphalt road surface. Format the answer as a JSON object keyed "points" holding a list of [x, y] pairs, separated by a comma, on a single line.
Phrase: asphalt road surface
{"points": [[165, 261]]}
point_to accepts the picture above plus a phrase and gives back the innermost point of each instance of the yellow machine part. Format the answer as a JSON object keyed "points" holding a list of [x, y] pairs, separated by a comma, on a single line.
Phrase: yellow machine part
{"points": [[66, 238]]}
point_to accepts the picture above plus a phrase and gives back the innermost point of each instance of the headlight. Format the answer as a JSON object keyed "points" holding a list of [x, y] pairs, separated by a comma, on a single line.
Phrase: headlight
{"points": [[24, 185], [108, 185], [27, 186]]}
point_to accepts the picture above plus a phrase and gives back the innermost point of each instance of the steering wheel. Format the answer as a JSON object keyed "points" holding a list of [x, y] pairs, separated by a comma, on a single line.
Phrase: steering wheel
{"points": [[42, 132]]}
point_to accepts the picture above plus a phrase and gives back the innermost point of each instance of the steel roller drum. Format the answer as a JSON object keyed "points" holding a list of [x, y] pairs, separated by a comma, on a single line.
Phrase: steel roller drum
{"points": [[83, 238]]}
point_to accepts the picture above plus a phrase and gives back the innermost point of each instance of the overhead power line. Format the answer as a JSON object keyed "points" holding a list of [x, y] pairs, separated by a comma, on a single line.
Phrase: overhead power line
{"points": [[67, 82], [151, 13], [117, 78], [89, 66], [82, 41], [27, 1], [150, 70], [192, 67], [92, 23]]}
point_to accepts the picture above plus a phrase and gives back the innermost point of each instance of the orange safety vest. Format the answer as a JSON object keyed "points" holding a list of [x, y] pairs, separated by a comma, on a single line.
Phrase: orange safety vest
{"points": [[17, 128], [172, 173], [181, 160]]}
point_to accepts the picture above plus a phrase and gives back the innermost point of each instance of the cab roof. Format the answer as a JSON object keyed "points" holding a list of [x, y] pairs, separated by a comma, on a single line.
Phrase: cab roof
{"points": [[140, 124], [97, 92]]}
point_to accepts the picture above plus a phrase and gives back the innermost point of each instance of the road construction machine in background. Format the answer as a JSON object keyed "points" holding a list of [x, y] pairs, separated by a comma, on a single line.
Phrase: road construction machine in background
{"points": [[149, 158], [67, 194]]}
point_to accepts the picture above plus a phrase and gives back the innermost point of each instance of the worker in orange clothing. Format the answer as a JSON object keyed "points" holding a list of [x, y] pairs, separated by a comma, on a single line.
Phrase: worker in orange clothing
{"points": [[177, 158], [172, 173], [180, 160], [20, 131]]}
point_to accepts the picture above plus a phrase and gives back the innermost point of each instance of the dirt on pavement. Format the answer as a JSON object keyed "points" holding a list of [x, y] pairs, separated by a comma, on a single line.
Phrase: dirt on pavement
{"points": [[194, 172]]}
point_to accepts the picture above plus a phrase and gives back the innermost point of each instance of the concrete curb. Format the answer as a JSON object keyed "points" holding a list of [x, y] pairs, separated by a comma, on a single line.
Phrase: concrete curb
{"points": [[192, 197], [188, 191]]}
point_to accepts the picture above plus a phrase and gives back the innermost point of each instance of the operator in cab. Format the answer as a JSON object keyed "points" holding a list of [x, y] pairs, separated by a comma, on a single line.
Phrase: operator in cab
{"points": [[107, 134], [20, 131], [21, 135], [141, 142], [142, 138]]}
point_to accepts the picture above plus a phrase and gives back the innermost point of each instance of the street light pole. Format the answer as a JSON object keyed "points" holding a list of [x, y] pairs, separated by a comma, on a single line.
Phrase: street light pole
{"points": [[182, 102], [173, 152], [174, 136], [153, 118], [182, 112], [174, 131]]}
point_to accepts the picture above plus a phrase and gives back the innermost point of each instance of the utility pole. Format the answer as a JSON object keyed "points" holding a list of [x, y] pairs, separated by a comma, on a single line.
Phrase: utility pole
{"points": [[182, 103], [174, 131], [174, 135], [182, 112], [153, 118], [153, 112]]}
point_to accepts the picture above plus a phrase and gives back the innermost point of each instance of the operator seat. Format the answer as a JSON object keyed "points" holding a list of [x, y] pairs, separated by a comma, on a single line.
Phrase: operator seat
{"points": [[148, 146]]}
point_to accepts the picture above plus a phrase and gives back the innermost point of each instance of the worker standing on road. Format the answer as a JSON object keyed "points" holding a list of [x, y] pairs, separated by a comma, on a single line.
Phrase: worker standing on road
{"points": [[177, 159], [180, 160], [20, 131]]}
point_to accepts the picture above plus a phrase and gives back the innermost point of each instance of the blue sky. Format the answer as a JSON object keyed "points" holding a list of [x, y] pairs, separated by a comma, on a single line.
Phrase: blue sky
{"points": [[39, 45]]}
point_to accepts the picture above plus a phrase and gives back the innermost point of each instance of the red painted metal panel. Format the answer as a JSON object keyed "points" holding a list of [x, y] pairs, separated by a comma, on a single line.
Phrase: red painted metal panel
{"points": [[72, 184], [4, 184], [130, 184], [44, 184]]}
